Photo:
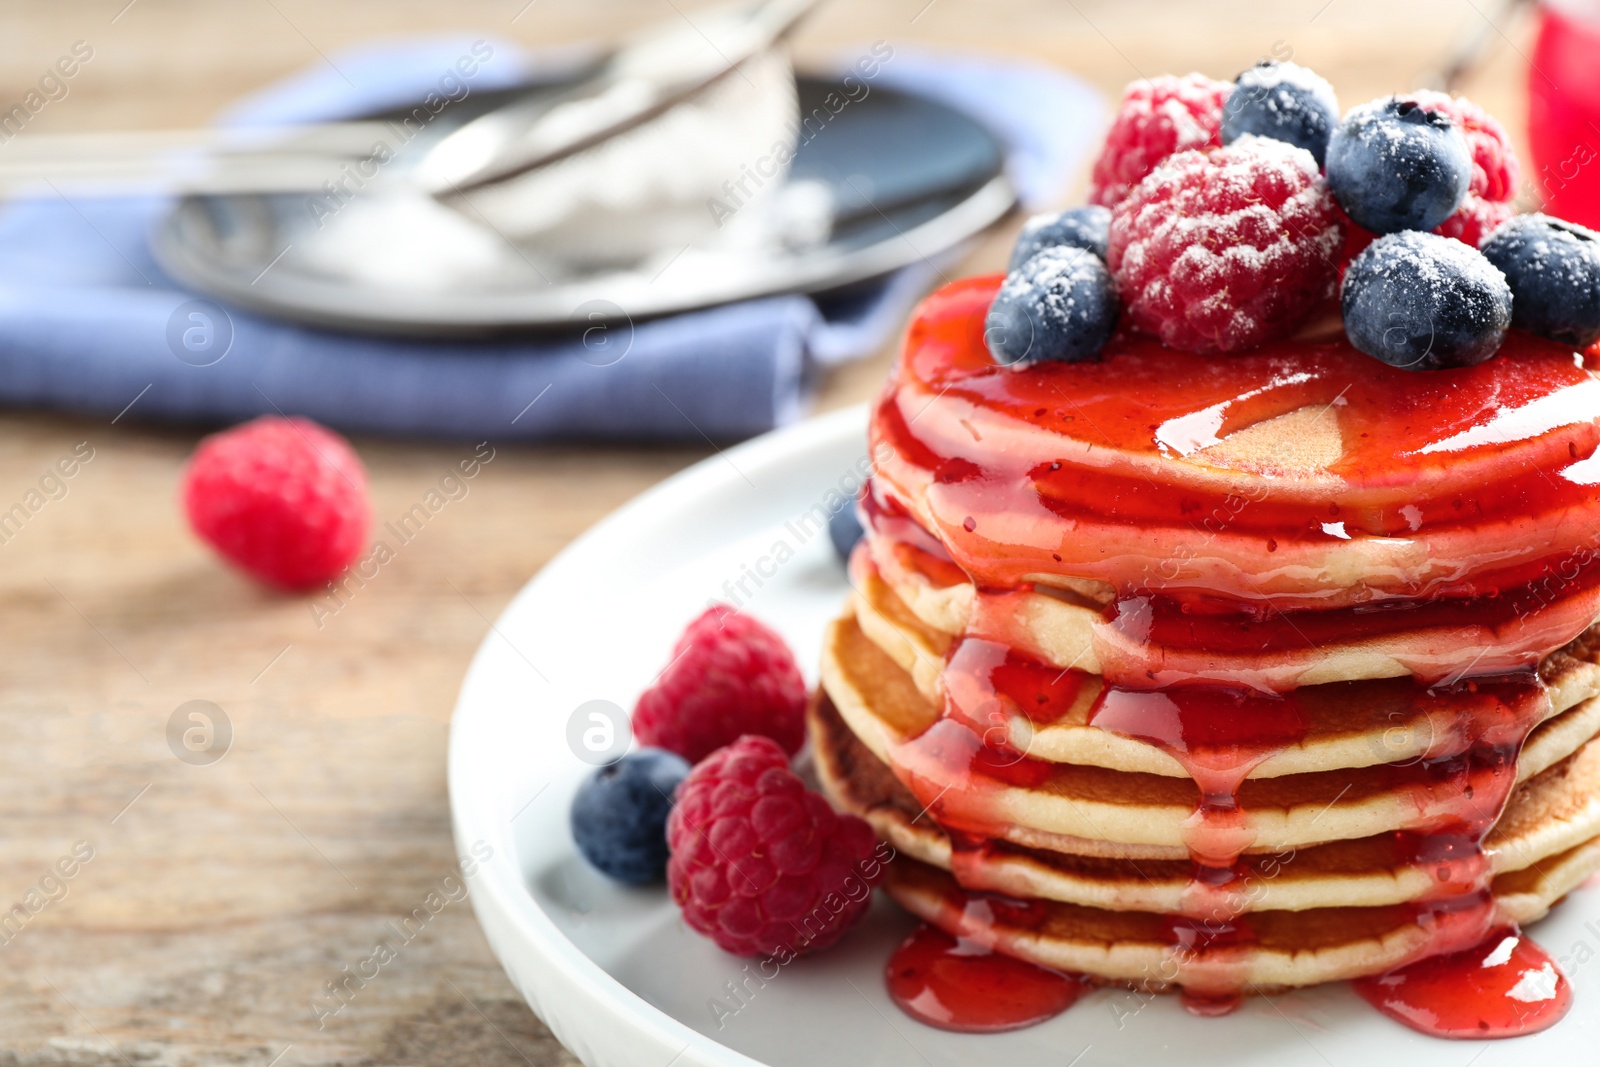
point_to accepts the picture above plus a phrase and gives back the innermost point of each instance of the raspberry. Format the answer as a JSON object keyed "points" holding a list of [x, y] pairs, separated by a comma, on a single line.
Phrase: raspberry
{"points": [[1158, 117], [1220, 250], [283, 499], [762, 865], [729, 676], [1476, 219]]}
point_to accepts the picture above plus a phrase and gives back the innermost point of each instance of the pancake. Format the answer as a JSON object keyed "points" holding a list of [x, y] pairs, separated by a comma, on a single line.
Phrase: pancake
{"points": [[1554, 812], [1286, 948], [887, 712], [1066, 627], [1355, 724]]}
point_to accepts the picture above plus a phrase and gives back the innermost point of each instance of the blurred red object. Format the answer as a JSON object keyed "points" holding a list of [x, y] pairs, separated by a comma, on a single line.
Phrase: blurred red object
{"points": [[1564, 110]]}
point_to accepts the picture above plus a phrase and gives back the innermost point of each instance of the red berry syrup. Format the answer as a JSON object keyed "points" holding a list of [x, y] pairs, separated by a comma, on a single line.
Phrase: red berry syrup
{"points": [[960, 985], [1503, 987]]}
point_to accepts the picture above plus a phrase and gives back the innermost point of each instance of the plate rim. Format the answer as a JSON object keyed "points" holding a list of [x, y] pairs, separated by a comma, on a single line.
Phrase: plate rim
{"points": [[500, 898]]}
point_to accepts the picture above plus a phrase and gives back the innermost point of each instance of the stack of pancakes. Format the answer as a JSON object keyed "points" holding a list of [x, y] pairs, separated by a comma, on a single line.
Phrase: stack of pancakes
{"points": [[1067, 782]]}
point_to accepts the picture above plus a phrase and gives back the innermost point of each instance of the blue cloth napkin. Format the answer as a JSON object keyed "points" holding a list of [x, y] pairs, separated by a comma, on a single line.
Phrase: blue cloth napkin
{"points": [[88, 322]]}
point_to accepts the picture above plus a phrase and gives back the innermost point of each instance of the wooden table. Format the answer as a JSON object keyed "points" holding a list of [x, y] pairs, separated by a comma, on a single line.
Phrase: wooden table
{"points": [[219, 899]]}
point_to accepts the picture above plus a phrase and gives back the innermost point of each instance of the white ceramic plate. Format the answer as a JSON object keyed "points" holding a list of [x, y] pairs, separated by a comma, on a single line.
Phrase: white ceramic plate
{"points": [[615, 973]]}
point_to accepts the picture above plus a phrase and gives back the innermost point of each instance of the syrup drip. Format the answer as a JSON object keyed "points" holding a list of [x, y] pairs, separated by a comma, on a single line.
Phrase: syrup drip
{"points": [[1210, 954], [958, 765], [960, 985], [1201, 653], [987, 682], [918, 548], [959, 778], [1219, 735], [1503, 986]]}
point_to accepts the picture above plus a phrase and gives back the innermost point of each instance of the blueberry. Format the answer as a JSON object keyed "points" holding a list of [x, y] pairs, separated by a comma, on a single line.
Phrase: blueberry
{"points": [[1283, 101], [1395, 166], [619, 817], [1059, 305], [1088, 228], [1553, 268], [844, 530], [1422, 302]]}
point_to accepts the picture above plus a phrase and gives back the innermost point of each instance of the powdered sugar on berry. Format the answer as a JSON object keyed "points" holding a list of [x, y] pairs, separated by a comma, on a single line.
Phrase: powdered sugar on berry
{"points": [[1476, 219], [1223, 250], [1270, 76], [1158, 117], [1433, 272], [1062, 268]]}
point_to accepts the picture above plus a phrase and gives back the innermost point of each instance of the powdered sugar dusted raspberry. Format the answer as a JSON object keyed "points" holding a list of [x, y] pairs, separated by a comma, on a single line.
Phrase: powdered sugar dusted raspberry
{"points": [[1158, 117], [1476, 219], [1220, 250]]}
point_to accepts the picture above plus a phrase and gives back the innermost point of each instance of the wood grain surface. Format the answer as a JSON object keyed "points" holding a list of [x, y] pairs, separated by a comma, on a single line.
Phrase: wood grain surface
{"points": [[219, 899]]}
